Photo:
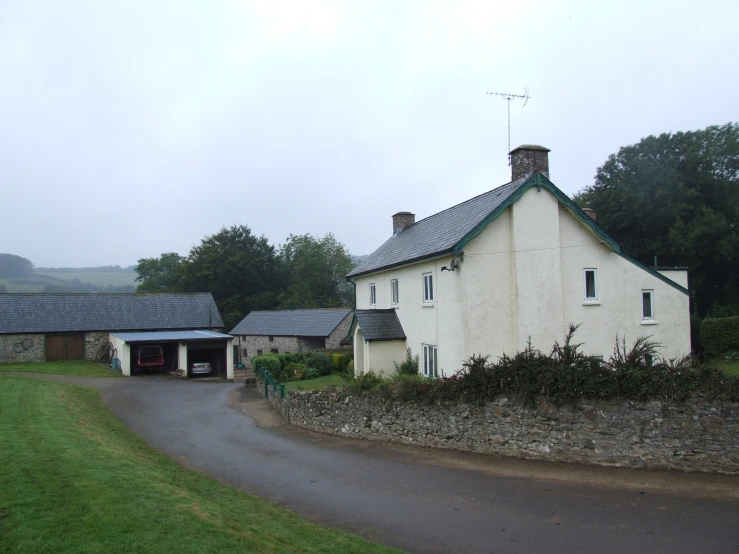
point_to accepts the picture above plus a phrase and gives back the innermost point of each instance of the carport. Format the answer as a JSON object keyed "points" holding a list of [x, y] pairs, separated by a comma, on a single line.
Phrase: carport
{"points": [[180, 348]]}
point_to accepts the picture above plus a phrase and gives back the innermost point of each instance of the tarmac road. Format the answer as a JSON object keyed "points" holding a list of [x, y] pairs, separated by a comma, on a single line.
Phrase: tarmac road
{"points": [[425, 500]]}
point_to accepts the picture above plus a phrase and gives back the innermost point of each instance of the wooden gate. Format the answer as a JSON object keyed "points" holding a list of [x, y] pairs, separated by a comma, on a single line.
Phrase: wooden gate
{"points": [[65, 347]]}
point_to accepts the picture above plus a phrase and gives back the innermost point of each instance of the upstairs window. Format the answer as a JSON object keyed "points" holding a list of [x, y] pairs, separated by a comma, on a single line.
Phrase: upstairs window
{"points": [[394, 298], [373, 295], [430, 358], [428, 287], [647, 304], [271, 338], [591, 284]]}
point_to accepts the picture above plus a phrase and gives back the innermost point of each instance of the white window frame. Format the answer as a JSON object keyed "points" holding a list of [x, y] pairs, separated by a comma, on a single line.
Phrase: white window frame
{"points": [[585, 283], [650, 317], [373, 294], [428, 288], [394, 292], [430, 360]]}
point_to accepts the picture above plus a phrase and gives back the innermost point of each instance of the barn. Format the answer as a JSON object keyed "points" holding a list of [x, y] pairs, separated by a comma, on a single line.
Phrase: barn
{"points": [[70, 326]]}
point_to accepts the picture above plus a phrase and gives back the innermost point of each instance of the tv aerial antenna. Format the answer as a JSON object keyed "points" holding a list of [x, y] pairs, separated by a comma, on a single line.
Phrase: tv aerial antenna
{"points": [[525, 96]]}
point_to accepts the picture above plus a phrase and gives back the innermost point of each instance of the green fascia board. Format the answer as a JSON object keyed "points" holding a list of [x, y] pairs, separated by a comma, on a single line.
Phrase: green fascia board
{"points": [[351, 327], [540, 181], [655, 273]]}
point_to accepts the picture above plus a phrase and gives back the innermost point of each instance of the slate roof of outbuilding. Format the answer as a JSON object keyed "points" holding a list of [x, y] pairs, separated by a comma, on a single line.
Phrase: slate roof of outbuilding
{"points": [[61, 313], [436, 234], [291, 323], [377, 325]]}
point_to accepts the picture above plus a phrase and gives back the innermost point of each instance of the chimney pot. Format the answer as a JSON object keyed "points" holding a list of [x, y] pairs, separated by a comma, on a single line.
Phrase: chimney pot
{"points": [[590, 212], [401, 220], [527, 159]]}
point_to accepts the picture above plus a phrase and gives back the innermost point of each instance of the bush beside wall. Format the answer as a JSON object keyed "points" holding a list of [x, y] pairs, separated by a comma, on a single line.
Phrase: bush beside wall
{"points": [[720, 334]]}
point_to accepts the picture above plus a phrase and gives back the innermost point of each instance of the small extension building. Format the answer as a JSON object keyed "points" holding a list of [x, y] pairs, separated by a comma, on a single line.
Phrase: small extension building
{"points": [[79, 326], [284, 331]]}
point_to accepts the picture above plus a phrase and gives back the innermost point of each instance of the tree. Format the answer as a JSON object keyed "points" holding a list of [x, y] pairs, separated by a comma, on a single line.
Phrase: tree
{"points": [[3, 290], [14, 266], [675, 198], [160, 274], [242, 272], [316, 270]]}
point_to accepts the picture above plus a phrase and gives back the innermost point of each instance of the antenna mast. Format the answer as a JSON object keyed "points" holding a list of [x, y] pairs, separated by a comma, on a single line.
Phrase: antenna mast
{"points": [[510, 97]]}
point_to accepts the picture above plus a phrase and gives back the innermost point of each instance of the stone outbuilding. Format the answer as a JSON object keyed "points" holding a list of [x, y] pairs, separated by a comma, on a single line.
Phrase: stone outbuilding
{"points": [[284, 331], [80, 326]]}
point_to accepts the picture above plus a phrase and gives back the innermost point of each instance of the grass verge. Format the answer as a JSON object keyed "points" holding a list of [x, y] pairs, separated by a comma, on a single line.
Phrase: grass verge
{"points": [[84, 368], [332, 380], [73, 478]]}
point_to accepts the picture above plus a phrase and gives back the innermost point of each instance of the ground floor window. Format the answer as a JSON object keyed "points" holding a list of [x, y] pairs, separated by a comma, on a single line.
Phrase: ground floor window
{"points": [[430, 357], [259, 352], [275, 351]]}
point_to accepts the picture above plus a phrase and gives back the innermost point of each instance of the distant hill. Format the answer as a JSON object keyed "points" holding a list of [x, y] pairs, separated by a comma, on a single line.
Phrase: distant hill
{"points": [[74, 279], [358, 259]]}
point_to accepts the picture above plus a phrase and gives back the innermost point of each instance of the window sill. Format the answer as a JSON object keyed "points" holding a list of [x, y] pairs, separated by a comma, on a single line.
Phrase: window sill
{"points": [[649, 322], [591, 302], [427, 305]]}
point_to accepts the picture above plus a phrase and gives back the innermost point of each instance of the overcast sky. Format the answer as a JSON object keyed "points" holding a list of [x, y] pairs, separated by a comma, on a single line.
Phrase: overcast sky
{"points": [[129, 129]]}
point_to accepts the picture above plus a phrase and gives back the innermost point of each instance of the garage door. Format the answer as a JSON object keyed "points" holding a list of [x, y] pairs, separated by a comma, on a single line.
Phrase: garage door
{"points": [[65, 347]]}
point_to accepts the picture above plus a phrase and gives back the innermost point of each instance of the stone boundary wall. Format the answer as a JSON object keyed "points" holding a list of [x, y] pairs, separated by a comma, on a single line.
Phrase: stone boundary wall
{"points": [[698, 435], [274, 395], [22, 348]]}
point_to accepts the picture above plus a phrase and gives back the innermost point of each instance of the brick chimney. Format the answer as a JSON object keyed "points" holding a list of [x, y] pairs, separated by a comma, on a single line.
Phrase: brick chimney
{"points": [[590, 212], [401, 220], [527, 159]]}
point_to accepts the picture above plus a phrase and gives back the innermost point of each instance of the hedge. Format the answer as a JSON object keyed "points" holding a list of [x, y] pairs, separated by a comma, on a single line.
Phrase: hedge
{"points": [[720, 334], [268, 362]]}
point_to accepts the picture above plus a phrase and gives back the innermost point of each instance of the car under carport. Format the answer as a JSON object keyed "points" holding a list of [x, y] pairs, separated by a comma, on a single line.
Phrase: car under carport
{"points": [[181, 349]]}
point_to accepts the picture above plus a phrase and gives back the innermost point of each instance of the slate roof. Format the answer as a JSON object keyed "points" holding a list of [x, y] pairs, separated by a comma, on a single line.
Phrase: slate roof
{"points": [[436, 234], [60, 313], [291, 323], [377, 325]]}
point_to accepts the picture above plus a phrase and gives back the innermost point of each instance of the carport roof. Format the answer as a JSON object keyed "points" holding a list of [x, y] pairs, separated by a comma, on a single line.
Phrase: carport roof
{"points": [[171, 335]]}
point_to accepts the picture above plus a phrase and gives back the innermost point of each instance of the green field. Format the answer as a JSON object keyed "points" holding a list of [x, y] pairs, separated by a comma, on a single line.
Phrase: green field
{"points": [[117, 278], [82, 368], [333, 380], [73, 478], [66, 278]]}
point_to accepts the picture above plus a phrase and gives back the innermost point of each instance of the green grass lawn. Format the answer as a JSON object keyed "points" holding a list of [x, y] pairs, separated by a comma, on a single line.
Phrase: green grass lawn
{"points": [[73, 478], [84, 368], [728, 362], [334, 379]]}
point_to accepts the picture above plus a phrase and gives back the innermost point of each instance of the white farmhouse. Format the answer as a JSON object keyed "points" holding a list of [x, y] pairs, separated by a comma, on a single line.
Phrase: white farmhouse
{"points": [[520, 261]]}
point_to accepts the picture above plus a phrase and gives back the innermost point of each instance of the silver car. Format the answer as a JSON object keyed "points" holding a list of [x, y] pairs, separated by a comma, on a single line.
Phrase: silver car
{"points": [[201, 368]]}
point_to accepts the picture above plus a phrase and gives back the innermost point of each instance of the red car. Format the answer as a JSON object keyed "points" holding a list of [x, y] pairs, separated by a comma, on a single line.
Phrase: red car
{"points": [[150, 357]]}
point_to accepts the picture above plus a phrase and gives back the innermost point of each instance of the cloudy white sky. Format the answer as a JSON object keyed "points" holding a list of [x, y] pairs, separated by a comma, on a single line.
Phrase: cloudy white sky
{"points": [[128, 129]]}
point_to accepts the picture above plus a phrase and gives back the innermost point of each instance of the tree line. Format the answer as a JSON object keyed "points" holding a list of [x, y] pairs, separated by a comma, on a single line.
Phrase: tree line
{"points": [[673, 199], [245, 272]]}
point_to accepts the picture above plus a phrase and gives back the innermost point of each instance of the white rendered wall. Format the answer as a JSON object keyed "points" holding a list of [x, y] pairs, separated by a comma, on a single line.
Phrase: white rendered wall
{"points": [[124, 354], [618, 310], [382, 354], [230, 359]]}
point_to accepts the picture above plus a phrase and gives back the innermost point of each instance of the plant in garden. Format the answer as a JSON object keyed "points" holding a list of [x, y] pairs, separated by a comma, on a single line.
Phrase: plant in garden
{"points": [[409, 366]]}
